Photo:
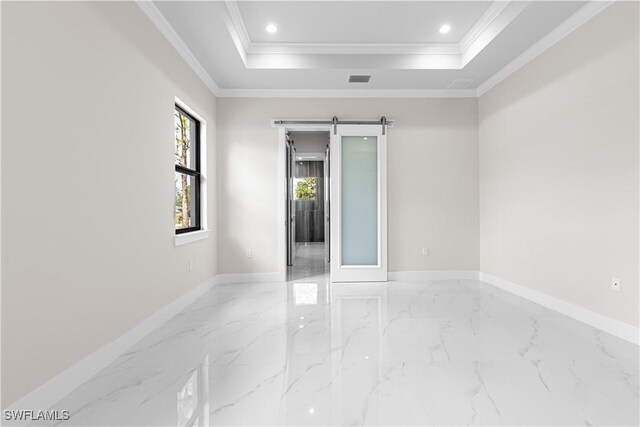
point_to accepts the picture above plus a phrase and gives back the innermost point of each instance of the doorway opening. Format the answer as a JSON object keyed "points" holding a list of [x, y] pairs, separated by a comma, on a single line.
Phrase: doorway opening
{"points": [[307, 206], [354, 169]]}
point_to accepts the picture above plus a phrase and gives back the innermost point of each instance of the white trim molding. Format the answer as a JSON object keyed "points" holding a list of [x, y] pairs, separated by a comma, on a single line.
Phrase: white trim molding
{"points": [[497, 16], [238, 25], [227, 278], [55, 389], [50, 393], [161, 23], [571, 24], [346, 93], [482, 24], [429, 275], [194, 236], [354, 48], [599, 321], [440, 56], [591, 318]]}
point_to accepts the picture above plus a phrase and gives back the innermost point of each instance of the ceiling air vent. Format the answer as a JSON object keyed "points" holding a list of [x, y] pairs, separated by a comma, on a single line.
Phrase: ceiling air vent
{"points": [[359, 79]]}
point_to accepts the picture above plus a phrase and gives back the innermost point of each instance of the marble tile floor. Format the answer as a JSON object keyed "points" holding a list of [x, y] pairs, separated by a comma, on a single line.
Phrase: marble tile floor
{"points": [[309, 262], [307, 352]]}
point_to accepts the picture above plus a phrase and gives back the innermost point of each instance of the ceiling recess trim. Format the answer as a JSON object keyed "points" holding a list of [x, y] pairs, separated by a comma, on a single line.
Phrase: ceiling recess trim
{"points": [[480, 27], [250, 47], [422, 56], [354, 48], [345, 93], [576, 20]]}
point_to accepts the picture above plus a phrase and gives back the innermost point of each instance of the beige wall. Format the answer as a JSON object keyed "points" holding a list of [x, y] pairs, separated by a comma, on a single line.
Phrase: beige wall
{"points": [[432, 178], [87, 160], [559, 169]]}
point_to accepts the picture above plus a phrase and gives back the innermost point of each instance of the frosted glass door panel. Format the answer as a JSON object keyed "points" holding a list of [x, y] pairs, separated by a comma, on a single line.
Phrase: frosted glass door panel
{"points": [[359, 200]]}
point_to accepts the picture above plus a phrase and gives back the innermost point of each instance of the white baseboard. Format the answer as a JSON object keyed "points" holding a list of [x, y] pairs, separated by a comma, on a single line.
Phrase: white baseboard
{"points": [[421, 276], [222, 279], [597, 320], [50, 393], [607, 324]]}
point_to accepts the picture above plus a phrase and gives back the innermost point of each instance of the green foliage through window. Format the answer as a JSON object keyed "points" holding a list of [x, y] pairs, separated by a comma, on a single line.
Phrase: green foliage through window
{"points": [[187, 170], [183, 157], [306, 188]]}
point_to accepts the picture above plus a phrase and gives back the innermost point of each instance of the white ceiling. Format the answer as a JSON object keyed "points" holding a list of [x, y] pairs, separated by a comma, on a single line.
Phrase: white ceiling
{"points": [[360, 22], [320, 43]]}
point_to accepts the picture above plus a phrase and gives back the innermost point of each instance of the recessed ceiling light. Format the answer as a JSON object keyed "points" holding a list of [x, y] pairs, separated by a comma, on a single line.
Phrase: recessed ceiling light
{"points": [[445, 28], [271, 28]]}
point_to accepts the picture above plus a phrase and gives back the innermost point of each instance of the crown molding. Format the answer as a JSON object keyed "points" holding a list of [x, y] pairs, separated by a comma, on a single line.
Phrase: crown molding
{"points": [[495, 10], [345, 93], [571, 24], [176, 41], [355, 48], [481, 25], [489, 25], [576, 20], [238, 23], [498, 23]]}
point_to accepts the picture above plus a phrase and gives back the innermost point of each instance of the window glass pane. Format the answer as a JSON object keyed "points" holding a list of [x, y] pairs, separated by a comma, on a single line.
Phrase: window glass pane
{"points": [[306, 188], [185, 201], [185, 135], [359, 200]]}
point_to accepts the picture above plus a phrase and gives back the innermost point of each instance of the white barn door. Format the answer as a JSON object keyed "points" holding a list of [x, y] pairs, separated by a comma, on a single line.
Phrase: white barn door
{"points": [[358, 204]]}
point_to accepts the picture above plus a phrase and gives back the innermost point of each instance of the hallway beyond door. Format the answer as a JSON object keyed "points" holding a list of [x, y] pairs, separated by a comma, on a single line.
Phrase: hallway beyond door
{"points": [[309, 261]]}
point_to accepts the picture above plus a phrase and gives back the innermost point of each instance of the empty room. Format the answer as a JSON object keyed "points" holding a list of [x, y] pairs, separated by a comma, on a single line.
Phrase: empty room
{"points": [[259, 213]]}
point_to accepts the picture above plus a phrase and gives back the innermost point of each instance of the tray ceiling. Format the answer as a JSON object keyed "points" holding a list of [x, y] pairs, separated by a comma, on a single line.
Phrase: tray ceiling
{"points": [[319, 44]]}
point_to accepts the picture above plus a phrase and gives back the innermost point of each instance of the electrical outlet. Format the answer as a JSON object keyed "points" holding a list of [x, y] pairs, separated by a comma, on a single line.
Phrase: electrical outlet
{"points": [[249, 254], [616, 285], [425, 251], [192, 265]]}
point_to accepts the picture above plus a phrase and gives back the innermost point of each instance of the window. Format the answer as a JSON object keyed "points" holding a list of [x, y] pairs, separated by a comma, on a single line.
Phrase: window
{"points": [[306, 188], [188, 173]]}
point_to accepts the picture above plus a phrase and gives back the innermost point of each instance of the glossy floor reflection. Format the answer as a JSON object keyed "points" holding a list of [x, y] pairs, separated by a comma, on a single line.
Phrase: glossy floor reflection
{"points": [[309, 262], [310, 353]]}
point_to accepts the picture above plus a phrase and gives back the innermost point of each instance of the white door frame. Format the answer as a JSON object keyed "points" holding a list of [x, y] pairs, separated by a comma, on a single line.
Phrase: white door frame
{"points": [[358, 273], [281, 188], [280, 184]]}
